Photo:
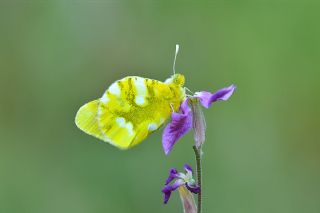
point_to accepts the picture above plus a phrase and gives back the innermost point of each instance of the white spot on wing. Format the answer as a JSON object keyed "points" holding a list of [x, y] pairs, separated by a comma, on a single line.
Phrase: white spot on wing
{"points": [[127, 125], [140, 100], [140, 86], [152, 126], [107, 139], [114, 89], [104, 99], [130, 128], [141, 90], [99, 113], [121, 121]]}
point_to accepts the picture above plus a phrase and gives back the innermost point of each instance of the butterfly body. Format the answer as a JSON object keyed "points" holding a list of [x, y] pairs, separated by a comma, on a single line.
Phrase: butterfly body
{"points": [[131, 109]]}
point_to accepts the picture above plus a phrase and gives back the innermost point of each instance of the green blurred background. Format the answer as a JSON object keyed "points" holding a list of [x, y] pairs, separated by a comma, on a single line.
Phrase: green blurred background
{"points": [[262, 151]]}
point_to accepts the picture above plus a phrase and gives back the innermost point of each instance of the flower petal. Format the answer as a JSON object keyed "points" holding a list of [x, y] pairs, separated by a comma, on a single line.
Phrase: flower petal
{"points": [[184, 107], [172, 175], [170, 188], [166, 194], [181, 123], [193, 188], [207, 98], [188, 168]]}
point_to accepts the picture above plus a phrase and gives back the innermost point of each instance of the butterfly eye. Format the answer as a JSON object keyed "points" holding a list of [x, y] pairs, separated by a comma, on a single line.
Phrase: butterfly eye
{"points": [[178, 79]]}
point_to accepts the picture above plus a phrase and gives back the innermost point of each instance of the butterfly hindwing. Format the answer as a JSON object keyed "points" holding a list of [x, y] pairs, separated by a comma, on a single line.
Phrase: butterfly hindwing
{"points": [[86, 119]]}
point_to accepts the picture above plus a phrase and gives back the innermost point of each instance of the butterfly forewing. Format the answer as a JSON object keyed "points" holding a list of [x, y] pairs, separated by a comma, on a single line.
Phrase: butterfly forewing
{"points": [[129, 110]]}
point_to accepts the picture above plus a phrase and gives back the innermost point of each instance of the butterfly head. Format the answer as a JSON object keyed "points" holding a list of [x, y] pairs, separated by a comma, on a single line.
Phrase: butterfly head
{"points": [[176, 79]]}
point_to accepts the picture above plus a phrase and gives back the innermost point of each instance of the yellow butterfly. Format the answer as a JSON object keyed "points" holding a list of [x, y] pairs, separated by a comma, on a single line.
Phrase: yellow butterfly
{"points": [[131, 109]]}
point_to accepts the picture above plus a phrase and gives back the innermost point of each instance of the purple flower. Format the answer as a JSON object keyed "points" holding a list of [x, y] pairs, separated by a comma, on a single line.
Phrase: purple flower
{"points": [[187, 117], [181, 179]]}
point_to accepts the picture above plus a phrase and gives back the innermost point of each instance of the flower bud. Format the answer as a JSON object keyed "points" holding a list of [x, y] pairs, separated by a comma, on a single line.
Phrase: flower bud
{"points": [[198, 122], [188, 203]]}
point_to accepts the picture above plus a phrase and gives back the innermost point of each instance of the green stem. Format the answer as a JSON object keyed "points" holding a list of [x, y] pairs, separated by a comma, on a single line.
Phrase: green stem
{"points": [[197, 153]]}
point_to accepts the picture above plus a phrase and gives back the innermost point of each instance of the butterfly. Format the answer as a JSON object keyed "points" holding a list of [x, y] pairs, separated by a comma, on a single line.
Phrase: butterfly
{"points": [[131, 109]]}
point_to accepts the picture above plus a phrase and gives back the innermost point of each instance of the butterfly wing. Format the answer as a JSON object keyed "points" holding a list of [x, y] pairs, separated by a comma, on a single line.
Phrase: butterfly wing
{"points": [[130, 110], [86, 119]]}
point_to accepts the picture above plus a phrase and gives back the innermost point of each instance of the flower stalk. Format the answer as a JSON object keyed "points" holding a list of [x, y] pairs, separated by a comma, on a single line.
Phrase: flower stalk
{"points": [[197, 153]]}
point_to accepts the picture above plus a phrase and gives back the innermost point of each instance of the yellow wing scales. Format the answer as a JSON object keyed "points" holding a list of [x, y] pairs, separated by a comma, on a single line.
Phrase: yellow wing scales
{"points": [[86, 119], [131, 109]]}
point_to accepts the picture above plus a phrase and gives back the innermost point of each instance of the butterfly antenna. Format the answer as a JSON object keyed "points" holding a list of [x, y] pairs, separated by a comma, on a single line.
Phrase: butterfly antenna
{"points": [[175, 58], [189, 90]]}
